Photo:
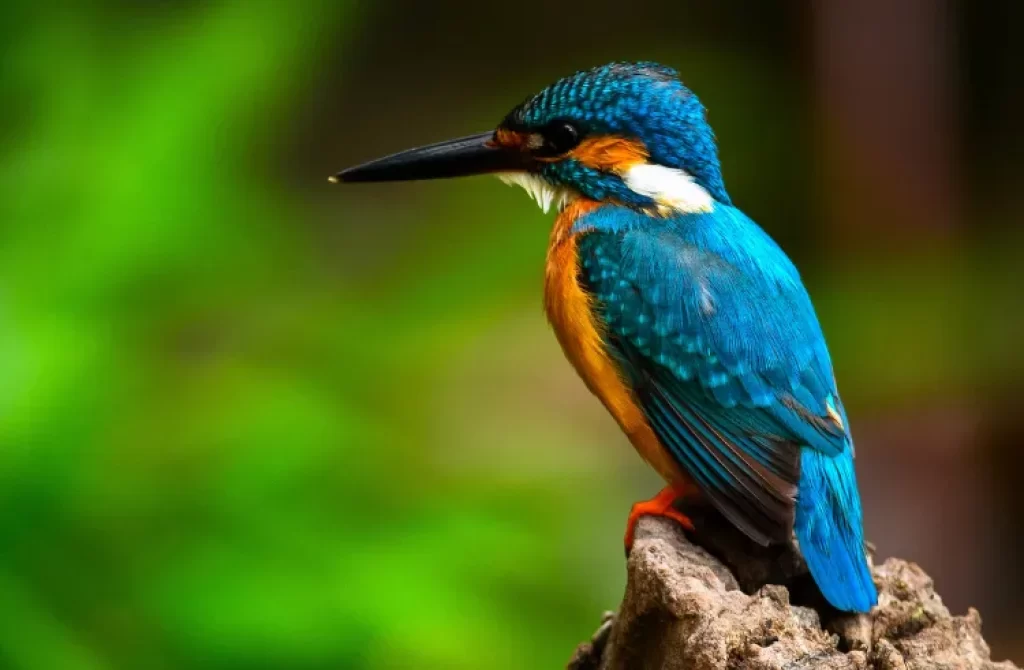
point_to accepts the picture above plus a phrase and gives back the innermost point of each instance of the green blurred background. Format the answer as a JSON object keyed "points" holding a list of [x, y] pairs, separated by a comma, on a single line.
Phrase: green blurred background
{"points": [[250, 420]]}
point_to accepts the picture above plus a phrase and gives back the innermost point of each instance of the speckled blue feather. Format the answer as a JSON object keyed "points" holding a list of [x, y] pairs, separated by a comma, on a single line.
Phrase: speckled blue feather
{"points": [[721, 346]]}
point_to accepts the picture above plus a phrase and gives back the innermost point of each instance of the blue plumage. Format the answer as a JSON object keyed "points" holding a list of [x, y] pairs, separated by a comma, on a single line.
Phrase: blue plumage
{"points": [[717, 336], [828, 528]]}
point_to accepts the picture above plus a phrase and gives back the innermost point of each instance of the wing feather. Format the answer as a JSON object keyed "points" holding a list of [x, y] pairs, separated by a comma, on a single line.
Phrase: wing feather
{"points": [[718, 340]]}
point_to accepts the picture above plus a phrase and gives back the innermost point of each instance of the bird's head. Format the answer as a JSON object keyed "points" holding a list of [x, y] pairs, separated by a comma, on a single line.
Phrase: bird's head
{"points": [[630, 133]]}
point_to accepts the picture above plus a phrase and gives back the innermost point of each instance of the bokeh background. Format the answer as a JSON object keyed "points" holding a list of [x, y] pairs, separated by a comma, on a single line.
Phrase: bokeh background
{"points": [[250, 420]]}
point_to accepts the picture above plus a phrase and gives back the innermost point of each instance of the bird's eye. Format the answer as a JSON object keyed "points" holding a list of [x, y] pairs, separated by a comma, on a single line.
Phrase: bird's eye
{"points": [[559, 138]]}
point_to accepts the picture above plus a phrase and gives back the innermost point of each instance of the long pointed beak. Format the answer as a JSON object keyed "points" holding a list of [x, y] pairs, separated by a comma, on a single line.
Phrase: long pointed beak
{"points": [[461, 157]]}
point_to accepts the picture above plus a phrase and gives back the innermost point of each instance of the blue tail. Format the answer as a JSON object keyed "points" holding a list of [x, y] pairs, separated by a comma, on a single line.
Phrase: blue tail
{"points": [[828, 527]]}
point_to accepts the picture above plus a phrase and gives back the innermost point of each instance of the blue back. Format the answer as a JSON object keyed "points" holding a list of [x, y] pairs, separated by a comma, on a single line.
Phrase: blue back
{"points": [[718, 339]]}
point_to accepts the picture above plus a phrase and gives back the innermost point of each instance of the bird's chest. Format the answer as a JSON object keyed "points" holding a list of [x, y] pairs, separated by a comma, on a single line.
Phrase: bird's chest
{"points": [[570, 311], [567, 304]]}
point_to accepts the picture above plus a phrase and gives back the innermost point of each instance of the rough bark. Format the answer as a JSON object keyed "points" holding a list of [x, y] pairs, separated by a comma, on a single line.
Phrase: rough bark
{"points": [[717, 600]]}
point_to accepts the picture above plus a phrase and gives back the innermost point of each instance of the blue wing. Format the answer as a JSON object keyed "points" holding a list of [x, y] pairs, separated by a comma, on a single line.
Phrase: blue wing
{"points": [[718, 338]]}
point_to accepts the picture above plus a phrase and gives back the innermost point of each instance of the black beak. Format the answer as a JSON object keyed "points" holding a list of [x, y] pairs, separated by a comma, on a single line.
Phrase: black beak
{"points": [[465, 156]]}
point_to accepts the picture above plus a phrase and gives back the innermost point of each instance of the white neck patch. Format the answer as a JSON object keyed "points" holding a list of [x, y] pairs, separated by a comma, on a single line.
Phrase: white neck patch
{"points": [[669, 187], [540, 189]]}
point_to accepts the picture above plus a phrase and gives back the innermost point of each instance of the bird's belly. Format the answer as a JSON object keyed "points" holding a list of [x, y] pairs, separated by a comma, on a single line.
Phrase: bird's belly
{"points": [[568, 309]]}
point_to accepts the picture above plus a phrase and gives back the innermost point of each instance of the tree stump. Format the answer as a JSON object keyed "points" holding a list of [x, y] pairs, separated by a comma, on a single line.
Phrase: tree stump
{"points": [[716, 600]]}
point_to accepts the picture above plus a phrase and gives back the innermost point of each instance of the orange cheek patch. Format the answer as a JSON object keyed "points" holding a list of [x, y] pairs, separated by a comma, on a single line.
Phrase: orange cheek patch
{"points": [[610, 153]]}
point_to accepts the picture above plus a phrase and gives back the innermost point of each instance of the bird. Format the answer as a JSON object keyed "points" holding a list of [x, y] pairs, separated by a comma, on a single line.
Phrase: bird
{"points": [[681, 314]]}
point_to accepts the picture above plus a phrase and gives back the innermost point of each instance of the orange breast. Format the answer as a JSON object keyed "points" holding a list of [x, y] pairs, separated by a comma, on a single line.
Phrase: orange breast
{"points": [[569, 310]]}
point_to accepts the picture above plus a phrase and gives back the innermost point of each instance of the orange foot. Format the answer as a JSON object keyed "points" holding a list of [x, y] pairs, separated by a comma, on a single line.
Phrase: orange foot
{"points": [[659, 505]]}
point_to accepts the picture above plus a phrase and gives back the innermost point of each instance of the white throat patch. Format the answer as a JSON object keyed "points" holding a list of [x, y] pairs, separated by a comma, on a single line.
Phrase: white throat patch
{"points": [[669, 187], [540, 189]]}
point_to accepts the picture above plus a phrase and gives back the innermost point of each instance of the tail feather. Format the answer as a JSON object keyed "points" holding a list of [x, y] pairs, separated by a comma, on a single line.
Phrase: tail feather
{"points": [[829, 528]]}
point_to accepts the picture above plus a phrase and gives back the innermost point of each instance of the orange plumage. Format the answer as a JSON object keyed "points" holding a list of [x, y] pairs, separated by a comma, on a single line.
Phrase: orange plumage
{"points": [[610, 153]]}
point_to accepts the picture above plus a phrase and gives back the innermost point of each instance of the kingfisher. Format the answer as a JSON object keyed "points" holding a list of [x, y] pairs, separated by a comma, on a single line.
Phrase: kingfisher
{"points": [[684, 318]]}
